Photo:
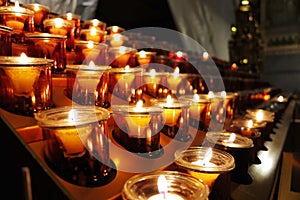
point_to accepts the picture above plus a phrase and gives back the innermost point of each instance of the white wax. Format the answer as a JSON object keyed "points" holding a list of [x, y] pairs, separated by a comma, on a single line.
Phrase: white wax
{"points": [[166, 196]]}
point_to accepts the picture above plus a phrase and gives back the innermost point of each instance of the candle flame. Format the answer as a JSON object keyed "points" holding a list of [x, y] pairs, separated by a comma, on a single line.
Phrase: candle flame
{"points": [[179, 54], [72, 116], [205, 55], [250, 123], [142, 54], [162, 184], [115, 29], [23, 57], [206, 159], [176, 72], [69, 16], [90, 45], [169, 100], [127, 67], [139, 104], [196, 98], [95, 22], [280, 99], [211, 94], [92, 65], [223, 94], [58, 22], [152, 72], [93, 31], [259, 115], [232, 137]]}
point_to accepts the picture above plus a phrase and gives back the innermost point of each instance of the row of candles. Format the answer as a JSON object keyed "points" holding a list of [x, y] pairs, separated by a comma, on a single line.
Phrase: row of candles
{"points": [[143, 105]]}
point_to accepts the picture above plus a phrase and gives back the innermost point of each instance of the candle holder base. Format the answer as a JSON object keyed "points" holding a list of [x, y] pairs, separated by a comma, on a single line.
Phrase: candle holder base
{"points": [[137, 146], [83, 171]]}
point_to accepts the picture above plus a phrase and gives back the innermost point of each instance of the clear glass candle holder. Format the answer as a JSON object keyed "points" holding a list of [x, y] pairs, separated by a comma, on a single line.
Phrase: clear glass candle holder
{"points": [[76, 144], [205, 163], [88, 84], [20, 19], [164, 185], [200, 110], [60, 26], [176, 118], [6, 40], [40, 14], [239, 147], [137, 129], [26, 84], [51, 46]]}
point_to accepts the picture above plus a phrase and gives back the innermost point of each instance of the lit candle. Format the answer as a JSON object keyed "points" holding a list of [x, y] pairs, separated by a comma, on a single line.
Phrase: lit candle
{"points": [[171, 112], [94, 23], [137, 128], [114, 30], [162, 186], [71, 139], [23, 78], [204, 163], [40, 14], [174, 80], [92, 34], [120, 56], [16, 16], [144, 57], [116, 40]]}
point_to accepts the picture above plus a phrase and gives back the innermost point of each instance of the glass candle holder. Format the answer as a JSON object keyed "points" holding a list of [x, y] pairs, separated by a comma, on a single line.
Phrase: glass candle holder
{"points": [[137, 129], [223, 105], [205, 163], [6, 40], [45, 45], [250, 129], [94, 23], [200, 110], [153, 81], [88, 84], [120, 56], [60, 26], [239, 147], [40, 14], [114, 30], [144, 57], [164, 185], [115, 40], [27, 84], [92, 34], [122, 81], [76, 144], [176, 118], [19, 19], [87, 51], [75, 20]]}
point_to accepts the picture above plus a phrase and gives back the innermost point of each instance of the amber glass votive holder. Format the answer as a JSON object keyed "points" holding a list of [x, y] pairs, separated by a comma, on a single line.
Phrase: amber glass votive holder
{"points": [[88, 84], [19, 19], [94, 23], [207, 164], [87, 51], [164, 185], [114, 30], [60, 26], [176, 118], [50, 46], [137, 129], [239, 147], [123, 83], [120, 56], [153, 82], [6, 40], [75, 20], [26, 84], [92, 34], [76, 144], [40, 14]]}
